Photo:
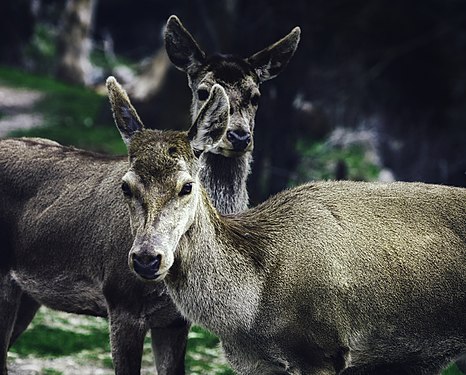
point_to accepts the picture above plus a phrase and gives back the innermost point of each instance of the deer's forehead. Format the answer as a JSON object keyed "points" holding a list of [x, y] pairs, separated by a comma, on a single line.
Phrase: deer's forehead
{"points": [[155, 144], [230, 69], [158, 155], [160, 177], [232, 73]]}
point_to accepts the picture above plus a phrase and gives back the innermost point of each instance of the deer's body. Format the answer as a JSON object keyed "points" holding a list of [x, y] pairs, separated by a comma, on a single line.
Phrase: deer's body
{"points": [[325, 278], [330, 275], [45, 181], [66, 232]]}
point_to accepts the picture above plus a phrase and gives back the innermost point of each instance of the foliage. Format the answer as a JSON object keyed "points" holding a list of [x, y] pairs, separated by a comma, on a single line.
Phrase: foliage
{"points": [[320, 160], [452, 370], [41, 52]]}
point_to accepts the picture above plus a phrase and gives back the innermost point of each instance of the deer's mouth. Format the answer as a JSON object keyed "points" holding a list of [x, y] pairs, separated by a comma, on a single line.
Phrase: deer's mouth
{"points": [[231, 153], [153, 278]]}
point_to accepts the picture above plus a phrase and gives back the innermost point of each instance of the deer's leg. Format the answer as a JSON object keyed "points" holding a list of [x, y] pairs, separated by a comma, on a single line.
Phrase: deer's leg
{"points": [[27, 310], [127, 334], [10, 295], [169, 347]]}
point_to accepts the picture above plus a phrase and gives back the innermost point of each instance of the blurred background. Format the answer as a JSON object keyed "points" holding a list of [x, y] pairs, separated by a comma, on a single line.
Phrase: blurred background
{"points": [[375, 91]]}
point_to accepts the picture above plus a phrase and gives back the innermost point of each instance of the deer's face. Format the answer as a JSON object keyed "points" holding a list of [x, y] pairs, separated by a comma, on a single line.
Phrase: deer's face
{"points": [[241, 85], [161, 186], [162, 192], [239, 77]]}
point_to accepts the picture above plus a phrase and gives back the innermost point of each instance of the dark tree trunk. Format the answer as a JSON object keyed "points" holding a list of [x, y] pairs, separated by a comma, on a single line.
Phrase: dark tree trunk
{"points": [[16, 28]]}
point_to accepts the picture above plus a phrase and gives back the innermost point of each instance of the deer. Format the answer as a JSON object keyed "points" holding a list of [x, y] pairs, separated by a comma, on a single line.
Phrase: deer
{"points": [[35, 266], [330, 277], [241, 79]]}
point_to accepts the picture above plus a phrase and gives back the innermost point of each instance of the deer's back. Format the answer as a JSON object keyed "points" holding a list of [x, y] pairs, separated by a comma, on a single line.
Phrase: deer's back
{"points": [[352, 262], [359, 272]]}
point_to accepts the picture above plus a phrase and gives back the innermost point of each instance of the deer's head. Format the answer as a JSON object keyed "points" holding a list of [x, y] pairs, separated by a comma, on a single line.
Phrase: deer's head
{"points": [[239, 77], [161, 186]]}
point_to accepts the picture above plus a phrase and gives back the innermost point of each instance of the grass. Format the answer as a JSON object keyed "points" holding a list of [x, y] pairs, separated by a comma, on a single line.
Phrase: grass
{"points": [[72, 115], [85, 339], [59, 334]]}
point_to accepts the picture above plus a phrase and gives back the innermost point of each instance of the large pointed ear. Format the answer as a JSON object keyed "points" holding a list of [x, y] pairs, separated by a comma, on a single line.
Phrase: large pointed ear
{"points": [[211, 122], [126, 118], [269, 62], [181, 47]]}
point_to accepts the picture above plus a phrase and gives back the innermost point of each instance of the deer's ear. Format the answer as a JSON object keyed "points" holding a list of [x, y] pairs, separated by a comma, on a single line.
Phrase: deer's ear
{"points": [[269, 62], [211, 122], [181, 47], [126, 118]]}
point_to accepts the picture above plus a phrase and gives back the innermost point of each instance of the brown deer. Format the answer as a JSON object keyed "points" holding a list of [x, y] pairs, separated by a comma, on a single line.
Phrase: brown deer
{"points": [[326, 278], [58, 204]]}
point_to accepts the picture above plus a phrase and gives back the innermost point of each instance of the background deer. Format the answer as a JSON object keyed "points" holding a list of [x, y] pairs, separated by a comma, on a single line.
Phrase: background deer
{"points": [[59, 248], [325, 278], [241, 79]]}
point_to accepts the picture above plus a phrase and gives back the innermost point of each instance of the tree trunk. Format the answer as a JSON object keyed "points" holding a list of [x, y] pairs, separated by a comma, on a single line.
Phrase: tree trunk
{"points": [[74, 44]]}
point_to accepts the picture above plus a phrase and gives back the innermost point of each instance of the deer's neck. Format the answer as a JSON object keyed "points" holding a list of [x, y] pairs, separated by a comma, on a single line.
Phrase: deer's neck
{"points": [[218, 277], [224, 179]]}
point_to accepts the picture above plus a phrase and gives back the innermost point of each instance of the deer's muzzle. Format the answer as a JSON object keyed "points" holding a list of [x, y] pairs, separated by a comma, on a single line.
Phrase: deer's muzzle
{"points": [[146, 265]]}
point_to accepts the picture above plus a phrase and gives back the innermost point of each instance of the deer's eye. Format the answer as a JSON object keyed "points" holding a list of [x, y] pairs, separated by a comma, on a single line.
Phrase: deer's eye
{"points": [[254, 99], [126, 189], [202, 94], [186, 189]]}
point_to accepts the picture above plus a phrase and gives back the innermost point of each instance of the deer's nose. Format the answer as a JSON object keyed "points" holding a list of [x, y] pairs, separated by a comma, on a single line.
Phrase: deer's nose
{"points": [[239, 139], [146, 265]]}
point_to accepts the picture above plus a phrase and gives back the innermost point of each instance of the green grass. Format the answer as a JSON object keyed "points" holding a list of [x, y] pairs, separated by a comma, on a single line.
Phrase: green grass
{"points": [[72, 115], [51, 371], [204, 354], [45, 341], [85, 339], [54, 334]]}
